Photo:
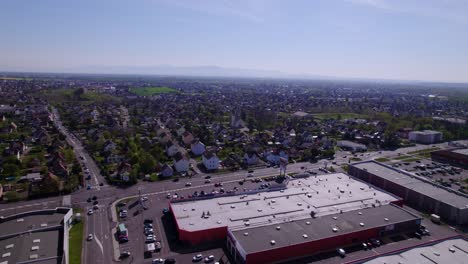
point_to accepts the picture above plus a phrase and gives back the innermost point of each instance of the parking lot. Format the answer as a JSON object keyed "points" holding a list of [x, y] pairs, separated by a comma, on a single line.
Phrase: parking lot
{"points": [[164, 227], [446, 175]]}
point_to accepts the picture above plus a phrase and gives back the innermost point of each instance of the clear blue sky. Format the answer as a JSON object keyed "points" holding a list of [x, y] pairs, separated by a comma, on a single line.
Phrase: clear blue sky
{"points": [[393, 39]]}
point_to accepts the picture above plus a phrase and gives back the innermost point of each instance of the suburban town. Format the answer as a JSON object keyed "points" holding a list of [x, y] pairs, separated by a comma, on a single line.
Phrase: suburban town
{"points": [[234, 132], [122, 161]]}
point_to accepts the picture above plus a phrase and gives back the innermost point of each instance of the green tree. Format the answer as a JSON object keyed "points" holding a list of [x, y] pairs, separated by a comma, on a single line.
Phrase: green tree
{"points": [[147, 163]]}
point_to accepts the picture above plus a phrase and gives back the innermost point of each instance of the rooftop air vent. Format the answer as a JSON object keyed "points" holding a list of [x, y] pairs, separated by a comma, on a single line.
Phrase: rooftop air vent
{"points": [[299, 204], [273, 201], [307, 223], [386, 219], [335, 229], [36, 241], [233, 206], [361, 224], [9, 246], [305, 236], [43, 225], [359, 213], [278, 228], [219, 221], [451, 249], [20, 220], [272, 242], [246, 234], [259, 210], [34, 248], [247, 223], [33, 256], [6, 255], [335, 218], [309, 195]]}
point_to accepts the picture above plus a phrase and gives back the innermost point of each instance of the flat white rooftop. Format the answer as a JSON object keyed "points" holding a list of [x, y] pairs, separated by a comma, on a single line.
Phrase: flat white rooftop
{"points": [[451, 251], [323, 194]]}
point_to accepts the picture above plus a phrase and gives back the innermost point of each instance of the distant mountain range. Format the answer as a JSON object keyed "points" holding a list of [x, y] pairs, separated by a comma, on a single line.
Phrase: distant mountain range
{"points": [[212, 71], [201, 71]]}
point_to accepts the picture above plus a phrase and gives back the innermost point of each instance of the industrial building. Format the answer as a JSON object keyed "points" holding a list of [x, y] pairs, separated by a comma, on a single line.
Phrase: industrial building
{"points": [[425, 136], [35, 237], [419, 193], [294, 239], [452, 250], [455, 157], [318, 213]]}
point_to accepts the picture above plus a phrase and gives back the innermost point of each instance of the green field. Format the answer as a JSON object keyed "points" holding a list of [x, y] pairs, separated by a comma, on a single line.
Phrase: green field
{"points": [[15, 79], [149, 91], [382, 159], [76, 242]]}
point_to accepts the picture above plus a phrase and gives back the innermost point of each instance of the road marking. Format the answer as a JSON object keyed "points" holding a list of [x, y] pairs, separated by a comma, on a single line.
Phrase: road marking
{"points": [[99, 244]]}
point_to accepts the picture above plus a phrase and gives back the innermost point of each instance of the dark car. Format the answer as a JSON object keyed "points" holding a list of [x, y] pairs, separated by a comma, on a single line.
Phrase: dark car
{"points": [[89, 200], [175, 180], [101, 184], [94, 198], [418, 235], [170, 261], [165, 210], [125, 254], [95, 202], [208, 177], [148, 221]]}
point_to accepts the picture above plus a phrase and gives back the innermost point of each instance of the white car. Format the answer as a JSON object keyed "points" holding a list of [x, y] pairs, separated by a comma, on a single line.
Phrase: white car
{"points": [[144, 199], [90, 237], [209, 259], [158, 261], [197, 257], [188, 184], [90, 212], [168, 196]]}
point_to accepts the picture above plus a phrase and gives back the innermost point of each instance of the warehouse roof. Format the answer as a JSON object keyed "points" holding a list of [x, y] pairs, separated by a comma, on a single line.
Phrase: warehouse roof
{"points": [[311, 229], [30, 223], [414, 183], [33, 246], [449, 251], [461, 151], [35, 236], [323, 194]]}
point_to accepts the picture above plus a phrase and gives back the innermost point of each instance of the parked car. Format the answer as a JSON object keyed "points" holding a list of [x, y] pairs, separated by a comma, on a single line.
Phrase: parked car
{"points": [[90, 212], [341, 252], [165, 210], [209, 259], [197, 258], [125, 254], [364, 246], [375, 242], [90, 237], [170, 261], [158, 261]]}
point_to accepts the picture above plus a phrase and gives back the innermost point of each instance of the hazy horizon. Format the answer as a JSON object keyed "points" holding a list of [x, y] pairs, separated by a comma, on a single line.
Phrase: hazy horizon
{"points": [[357, 39]]}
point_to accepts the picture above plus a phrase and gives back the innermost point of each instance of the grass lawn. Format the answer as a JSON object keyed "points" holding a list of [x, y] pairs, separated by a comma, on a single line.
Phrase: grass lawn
{"points": [[76, 242], [382, 159], [149, 91]]}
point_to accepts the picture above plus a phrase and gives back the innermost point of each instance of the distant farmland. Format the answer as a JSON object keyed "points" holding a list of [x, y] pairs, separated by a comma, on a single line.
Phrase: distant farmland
{"points": [[149, 91]]}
